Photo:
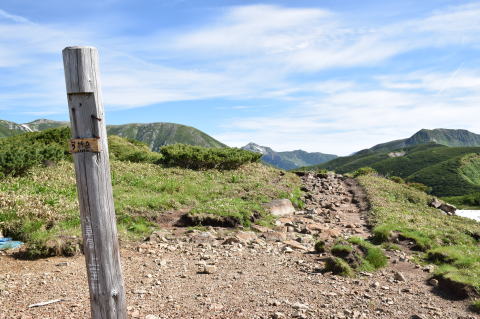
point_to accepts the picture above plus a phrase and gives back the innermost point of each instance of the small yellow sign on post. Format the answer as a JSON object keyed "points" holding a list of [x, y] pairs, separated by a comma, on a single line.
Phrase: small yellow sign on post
{"points": [[82, 145]]}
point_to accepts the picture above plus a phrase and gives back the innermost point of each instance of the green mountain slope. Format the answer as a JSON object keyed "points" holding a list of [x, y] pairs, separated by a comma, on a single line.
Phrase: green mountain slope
{"points": [[443, 159], [449, 171], [447, 137], [44, 124], [288, 160], [155, 135], [457, 176], [10, 128]]}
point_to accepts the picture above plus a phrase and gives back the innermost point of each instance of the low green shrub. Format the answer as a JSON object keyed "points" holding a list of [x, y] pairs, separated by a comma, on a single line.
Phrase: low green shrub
{"points": [[397, 179], [19, 153], [338, 266], [198, 158], [364, 171], [132, 151], [341, 250], [320, 246], [358, 254], [373, 258], [421, 187], [295, 196], [399, 212], [322, 171], [475, 306], [465, 201], [391, 246]]}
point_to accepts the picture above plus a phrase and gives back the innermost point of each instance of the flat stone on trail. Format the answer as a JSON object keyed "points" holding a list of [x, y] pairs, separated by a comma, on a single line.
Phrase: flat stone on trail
{"points": [[316, 227], [261, 229], [274, 236], [285, 220], [208, 269], [295, 245], [330, 233], [230, 241], [280, 207], [202, 237], [245, 236]]}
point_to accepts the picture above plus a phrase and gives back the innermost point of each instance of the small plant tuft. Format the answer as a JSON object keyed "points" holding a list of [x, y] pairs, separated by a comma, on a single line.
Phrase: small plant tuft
{"points": [[397, 179], [338, 266], [320, 246], [341, 250], [475, 306]]}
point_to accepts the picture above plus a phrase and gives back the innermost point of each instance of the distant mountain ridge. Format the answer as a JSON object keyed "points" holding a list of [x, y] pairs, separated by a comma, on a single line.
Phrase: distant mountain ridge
{"points": [[155, 135], [160, 134], [289, 160], [8, 128], [446, 160], [447, 137]]}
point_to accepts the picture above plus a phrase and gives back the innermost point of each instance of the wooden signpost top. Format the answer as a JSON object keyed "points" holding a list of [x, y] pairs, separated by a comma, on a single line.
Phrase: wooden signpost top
{"points": [[90, 152]]}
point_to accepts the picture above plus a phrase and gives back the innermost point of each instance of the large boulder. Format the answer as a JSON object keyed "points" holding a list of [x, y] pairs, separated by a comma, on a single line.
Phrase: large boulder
{"points": [[435, 203], [280, 207], [448, 208], [445, 207]]}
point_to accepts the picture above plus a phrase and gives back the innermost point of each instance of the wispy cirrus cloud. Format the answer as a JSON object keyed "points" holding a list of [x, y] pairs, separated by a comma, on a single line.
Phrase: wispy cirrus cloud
{"points": [[332, 79]]}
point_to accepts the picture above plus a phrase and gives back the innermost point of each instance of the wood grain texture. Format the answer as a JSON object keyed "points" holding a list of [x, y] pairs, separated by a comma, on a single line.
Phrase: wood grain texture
{"points": [[107, 295]]}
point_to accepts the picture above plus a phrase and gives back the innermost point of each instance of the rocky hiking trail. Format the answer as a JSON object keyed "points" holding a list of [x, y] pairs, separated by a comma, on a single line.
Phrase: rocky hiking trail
{"points": [[227, 273]]}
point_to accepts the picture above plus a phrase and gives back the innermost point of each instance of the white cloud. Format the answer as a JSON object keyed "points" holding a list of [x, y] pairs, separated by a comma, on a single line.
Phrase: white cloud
{"points": [[12, 17], [270, 52], [351, 120], [309, 40], [459, 79]]}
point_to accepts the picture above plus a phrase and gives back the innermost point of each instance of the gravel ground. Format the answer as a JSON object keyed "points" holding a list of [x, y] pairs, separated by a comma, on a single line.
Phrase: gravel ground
{"points": [[221, 273]]}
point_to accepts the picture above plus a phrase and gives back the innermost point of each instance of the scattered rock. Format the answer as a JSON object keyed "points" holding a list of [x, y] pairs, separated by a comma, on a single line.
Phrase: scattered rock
{"points": [[245, 237], [435, 203], [399, 276], [280, 207], [208, 269], [448, 208], [279, 315], [429, 268], [274, 236], [261, 229], [433, 282], [215, 307], [295, 245], [230, 241]]}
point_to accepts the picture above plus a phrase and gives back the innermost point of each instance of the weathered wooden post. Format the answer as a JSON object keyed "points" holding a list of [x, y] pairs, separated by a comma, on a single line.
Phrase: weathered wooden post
{"points": [[90, 152]]}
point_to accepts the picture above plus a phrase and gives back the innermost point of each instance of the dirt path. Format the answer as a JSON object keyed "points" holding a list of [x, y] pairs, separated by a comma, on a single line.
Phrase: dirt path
{"points": [[222, 273]]}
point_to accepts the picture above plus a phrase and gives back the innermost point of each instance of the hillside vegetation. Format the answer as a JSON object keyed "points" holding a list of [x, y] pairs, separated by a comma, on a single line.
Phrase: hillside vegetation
{"points": [[448, 171], [155, 135], [10, 128], [447, 137], [38, 201], [400, 213]]}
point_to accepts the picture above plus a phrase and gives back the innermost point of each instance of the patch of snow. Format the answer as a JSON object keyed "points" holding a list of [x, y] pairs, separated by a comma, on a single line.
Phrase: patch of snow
{"points": [[396, 154], [26, 127], [472, 214], [259, 149]]}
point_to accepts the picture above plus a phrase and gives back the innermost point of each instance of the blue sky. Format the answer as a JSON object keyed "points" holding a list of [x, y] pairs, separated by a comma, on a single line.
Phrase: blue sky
{"points": [[328, 76]]}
